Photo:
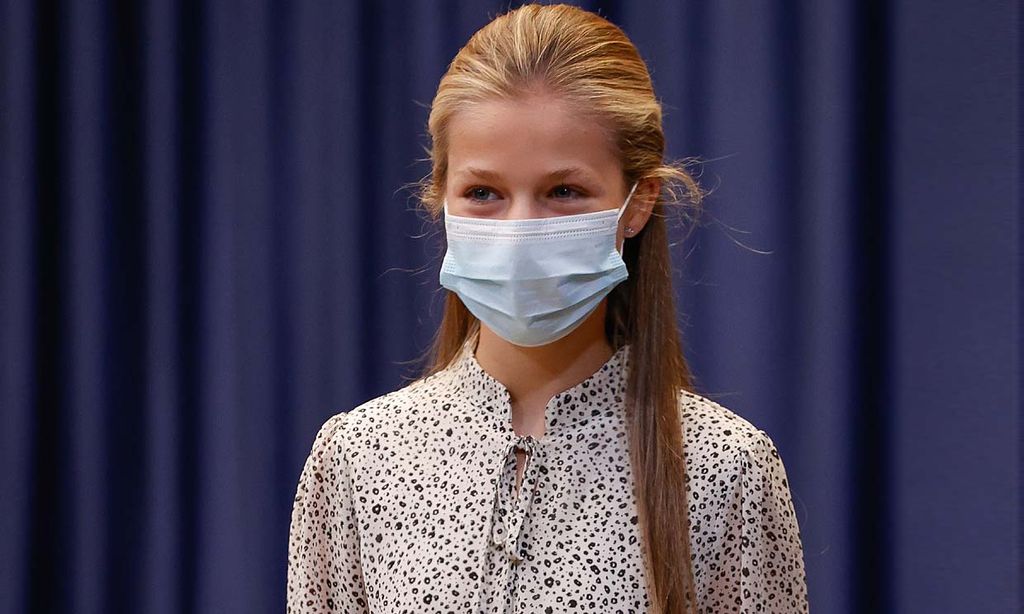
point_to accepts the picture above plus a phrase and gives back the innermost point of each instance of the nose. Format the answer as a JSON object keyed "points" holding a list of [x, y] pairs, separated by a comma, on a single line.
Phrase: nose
{"points": [[525, 208]]}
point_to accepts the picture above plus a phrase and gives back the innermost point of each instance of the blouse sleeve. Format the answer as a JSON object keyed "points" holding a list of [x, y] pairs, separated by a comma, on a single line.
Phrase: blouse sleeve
{"points": [[324, 570], [772, 575]]}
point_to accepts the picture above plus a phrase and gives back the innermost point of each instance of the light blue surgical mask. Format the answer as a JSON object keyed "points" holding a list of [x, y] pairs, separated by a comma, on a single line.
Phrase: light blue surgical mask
{"points": [[533, 281]]}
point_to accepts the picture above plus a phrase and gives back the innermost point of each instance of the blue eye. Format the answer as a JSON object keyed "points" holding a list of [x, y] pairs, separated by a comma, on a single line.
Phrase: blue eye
{"points": [[478, 193], [561, 192]]}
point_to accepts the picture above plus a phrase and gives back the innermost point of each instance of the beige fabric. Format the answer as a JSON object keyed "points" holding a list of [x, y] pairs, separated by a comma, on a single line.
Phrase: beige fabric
{"points": [[405, 505]]}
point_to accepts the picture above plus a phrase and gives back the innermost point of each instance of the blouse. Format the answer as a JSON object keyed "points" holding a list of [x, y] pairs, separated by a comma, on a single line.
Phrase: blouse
{"points": [[405, 504]]}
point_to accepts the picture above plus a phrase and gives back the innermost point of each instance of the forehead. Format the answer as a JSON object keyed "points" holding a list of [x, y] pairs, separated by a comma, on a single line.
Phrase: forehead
{"points": [[523, 137]]}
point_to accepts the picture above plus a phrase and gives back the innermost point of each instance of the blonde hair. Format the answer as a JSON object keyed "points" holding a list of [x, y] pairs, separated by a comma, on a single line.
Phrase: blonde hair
{"points": [[589, 62]]}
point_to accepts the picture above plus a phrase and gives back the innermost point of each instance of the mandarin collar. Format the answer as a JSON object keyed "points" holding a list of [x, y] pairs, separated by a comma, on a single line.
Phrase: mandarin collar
{"points": [[601, 393]]}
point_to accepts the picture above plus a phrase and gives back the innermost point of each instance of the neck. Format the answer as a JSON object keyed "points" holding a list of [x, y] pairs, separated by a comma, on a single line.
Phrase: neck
{"points": [[533, 375]]}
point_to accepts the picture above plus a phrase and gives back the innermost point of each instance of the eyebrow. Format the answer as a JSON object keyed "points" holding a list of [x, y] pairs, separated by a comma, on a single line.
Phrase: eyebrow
{"points": [[561, 173]]}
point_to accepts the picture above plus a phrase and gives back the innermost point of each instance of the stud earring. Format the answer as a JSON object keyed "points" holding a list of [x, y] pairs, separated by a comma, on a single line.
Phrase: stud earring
{"points": [[629, 231]]}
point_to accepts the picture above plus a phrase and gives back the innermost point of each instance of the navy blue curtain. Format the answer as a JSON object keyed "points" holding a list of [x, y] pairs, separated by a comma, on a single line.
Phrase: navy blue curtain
{"points": [[209, 244]]}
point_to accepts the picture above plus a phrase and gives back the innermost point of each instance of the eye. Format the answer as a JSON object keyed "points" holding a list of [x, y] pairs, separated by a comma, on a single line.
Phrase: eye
{"points": [[566, 191], [478, 193]]}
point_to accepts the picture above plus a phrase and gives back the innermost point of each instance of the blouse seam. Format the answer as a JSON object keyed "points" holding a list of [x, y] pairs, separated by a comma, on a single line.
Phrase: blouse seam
{"points": [[337, 438]]}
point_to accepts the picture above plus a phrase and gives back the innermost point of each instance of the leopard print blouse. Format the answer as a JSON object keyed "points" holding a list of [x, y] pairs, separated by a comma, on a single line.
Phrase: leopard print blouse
{"points": [[405, 504]]}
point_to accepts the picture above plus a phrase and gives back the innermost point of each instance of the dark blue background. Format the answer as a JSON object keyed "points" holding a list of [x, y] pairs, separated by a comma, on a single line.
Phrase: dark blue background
{"points": [[208, 246]]}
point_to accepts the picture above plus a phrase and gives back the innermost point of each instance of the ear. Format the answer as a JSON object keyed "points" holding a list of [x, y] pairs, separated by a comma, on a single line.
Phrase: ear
{"points": [[639, 209]]}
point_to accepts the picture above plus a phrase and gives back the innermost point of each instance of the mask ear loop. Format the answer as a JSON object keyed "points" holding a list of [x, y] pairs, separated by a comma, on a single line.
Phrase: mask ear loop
{"points": [[623, 210]]}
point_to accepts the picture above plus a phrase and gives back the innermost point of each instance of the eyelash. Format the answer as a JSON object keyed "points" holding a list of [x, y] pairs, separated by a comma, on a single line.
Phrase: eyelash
{"points": [[579, 193]]}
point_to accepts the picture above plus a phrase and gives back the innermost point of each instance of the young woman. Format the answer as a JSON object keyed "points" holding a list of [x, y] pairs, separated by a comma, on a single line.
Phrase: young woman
{"points": [[554, 457]]}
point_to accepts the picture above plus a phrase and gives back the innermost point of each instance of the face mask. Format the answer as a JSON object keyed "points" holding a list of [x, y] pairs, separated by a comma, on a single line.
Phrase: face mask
{"points": [[533, 281]]}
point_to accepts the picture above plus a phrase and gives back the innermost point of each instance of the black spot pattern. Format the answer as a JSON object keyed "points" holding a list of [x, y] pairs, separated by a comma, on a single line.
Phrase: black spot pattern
{"points": [[405, 504]]}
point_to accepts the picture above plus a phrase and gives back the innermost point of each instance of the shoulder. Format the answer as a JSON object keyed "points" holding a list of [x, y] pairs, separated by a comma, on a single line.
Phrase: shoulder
{"points": [[715, 434], [707, 420], [328, 449], [410, 402], [395, 415], [726, 454], [744, 514]]}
